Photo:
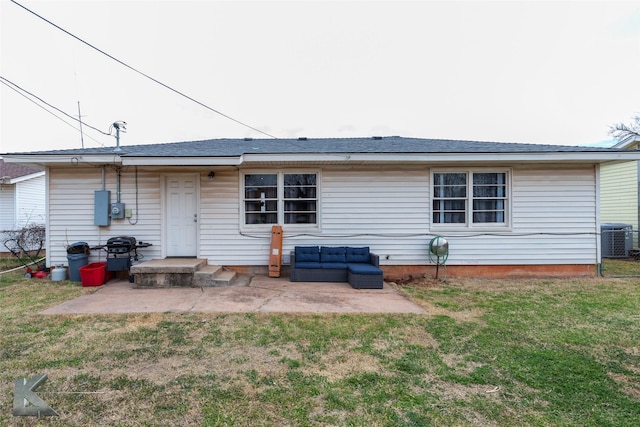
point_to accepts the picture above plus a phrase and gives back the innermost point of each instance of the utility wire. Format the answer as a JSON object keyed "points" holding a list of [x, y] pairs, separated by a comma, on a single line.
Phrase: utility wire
{"points": [[143, 74], [38, 105], [50, 112], [3, 80]]}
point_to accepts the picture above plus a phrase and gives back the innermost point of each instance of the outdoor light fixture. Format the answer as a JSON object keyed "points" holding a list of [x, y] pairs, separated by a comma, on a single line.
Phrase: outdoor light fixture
{"points": [[211, 175]]}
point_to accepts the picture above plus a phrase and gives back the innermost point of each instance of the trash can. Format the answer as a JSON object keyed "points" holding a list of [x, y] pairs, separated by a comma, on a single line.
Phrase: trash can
{"points": [[78, 256]]}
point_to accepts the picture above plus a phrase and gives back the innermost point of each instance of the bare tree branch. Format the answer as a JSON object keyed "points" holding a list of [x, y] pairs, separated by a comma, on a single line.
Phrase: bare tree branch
{"points": [[29, 239], [622, 131]]}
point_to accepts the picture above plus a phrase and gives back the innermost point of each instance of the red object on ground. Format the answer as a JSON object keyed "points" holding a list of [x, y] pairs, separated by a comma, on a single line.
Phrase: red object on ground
{"points": [[93, 274], [40, 274]]}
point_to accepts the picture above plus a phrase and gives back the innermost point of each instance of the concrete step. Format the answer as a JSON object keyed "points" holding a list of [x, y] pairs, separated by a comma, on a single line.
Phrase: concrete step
{"points": [[167, 273], [169, 266], [184, 272], [213, 276], [206, 270]]}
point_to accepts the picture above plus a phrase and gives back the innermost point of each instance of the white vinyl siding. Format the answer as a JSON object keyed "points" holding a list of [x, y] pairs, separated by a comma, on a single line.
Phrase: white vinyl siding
{"points": [[619, 193], [7, 208], [22, 203], [30, 202], [553, 216], [390, 212], [553, 221], [387, 210], [71, 209]]}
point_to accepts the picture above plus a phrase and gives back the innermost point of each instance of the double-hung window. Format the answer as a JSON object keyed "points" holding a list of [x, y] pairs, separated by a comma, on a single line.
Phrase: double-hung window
{"points": [[470, 198], [280, 198]]}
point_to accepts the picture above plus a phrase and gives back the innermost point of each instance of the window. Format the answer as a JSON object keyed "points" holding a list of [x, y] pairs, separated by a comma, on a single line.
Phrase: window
{"points": [[300, 200], [469, 198], [280, 198], [261, 199]]}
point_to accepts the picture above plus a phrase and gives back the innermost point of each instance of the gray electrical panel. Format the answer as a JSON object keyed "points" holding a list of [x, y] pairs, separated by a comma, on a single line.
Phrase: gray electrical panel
{"points": [[101, 208]]}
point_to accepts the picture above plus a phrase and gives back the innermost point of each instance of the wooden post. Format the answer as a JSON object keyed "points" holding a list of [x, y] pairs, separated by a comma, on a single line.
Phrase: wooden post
{"points": [[275, 256]]}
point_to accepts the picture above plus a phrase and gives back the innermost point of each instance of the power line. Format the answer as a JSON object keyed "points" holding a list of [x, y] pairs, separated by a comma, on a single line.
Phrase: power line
{"points": [[143, 74], [50, 112], [49, 105]]}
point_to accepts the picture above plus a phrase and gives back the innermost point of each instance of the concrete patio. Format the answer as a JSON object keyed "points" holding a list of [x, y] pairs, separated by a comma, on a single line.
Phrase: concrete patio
{"points": [[261, 294]]}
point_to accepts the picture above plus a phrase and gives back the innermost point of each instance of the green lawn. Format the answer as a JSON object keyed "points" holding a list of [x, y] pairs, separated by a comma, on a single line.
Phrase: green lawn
{"points": [[506, 353], [620, 267]]}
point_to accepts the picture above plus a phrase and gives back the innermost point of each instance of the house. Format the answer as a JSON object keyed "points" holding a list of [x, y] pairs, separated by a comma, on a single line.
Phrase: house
{"points": [[506, 209], [22, 197], [619, 189]]}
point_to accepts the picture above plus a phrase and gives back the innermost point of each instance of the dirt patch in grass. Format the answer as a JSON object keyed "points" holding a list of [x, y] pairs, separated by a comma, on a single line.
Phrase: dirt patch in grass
{"points": [[458, 363], [462, 316], [628, 386], [413, 287], [420, 283], [465, 391], [335, 367], [508, 285]]}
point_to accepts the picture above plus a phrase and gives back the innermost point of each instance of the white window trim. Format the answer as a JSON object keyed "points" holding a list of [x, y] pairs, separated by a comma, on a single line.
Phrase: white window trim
{"points": [[469, 225], [296, 228]]}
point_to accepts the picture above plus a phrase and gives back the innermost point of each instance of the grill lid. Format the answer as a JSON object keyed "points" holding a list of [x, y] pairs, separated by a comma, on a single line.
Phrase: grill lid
{"points": [[121, 244], [122, 241]]}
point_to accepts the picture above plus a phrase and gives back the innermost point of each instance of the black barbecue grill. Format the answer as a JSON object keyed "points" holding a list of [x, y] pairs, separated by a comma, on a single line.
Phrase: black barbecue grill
{"points": [[122, 251], [121, 244]]}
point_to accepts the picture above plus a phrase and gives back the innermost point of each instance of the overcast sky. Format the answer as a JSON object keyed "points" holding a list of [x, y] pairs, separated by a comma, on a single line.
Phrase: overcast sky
{"points": [[511, 71]]}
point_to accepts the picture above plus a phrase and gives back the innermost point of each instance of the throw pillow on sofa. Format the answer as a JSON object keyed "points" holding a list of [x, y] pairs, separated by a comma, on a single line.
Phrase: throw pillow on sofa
{"points": [[333, 254], [358, 255], [307, 254]]}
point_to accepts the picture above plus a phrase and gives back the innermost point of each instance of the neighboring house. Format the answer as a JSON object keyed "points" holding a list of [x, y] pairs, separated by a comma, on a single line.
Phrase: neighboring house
{"points": [[506, 209], [620, 197], [22, 197]]}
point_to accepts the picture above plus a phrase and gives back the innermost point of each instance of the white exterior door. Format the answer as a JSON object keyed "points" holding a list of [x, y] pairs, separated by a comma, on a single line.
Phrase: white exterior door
{"points": [[181, 213]]}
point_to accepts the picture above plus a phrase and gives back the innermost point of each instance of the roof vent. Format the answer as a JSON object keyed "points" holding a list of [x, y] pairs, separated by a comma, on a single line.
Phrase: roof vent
{"points": [[376, 137], [302, 138]]}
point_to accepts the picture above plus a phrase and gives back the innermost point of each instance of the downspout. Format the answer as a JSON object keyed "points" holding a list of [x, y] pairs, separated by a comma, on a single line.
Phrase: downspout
{"points": [[596, 168], [47, 217]]}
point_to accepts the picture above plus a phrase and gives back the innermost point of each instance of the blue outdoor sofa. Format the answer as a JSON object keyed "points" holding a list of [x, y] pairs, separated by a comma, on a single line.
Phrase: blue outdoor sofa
{"points": [[355, 265]]}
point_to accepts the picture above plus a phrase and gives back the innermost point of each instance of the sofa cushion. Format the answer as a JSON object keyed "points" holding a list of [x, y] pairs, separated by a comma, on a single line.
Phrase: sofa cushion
{"points": [[307, 254], [304, 264], [360, 268], [358, 254], [333, 254], [335, 265]]}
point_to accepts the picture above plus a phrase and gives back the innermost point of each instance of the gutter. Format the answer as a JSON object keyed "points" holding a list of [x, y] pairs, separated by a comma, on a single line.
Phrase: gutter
{"points": [[43, 159], [182, 161], [334, 158]]}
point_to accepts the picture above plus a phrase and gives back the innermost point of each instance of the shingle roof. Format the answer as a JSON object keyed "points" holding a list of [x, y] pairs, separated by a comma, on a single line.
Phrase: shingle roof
{"points": [[14, 171], [372, 145]]}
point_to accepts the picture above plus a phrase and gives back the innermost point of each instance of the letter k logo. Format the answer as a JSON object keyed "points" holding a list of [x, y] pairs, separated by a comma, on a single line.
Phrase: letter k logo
{"points": [[26, 402]]}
